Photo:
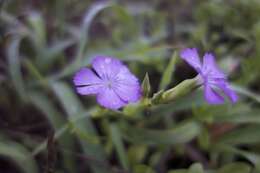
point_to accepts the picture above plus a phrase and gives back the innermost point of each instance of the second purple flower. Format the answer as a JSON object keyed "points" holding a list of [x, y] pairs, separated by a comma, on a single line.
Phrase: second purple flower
{"points": [[211, 76]]}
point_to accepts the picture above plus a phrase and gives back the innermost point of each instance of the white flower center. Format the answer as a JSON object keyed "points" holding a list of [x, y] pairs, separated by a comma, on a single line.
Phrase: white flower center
{"points": [[109, 83]]}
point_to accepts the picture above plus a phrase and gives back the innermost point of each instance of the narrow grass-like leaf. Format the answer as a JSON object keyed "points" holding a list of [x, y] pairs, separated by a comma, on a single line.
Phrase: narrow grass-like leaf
{"points": [[243, 135], [236, 168], [178, 171], [167, 74], [38, 27], [14, 66], [19, 155], [74, 109], [248, 93], [83, 36], [57, 121], [251, 116], [196, 168], [252, 157], [181, 134], [119, 146]]}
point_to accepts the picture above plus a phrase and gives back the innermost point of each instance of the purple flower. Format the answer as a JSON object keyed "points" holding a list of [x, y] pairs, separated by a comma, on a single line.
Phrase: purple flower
{"points": [[112, 82], [211, 76]]}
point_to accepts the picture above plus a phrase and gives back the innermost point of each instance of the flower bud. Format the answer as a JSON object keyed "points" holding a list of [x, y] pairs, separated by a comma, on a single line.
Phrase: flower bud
{"points": [[180, 90], [146, 86]]}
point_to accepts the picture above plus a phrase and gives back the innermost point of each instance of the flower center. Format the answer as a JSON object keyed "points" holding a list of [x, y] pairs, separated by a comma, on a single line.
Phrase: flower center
{"points": [[109, 84]]}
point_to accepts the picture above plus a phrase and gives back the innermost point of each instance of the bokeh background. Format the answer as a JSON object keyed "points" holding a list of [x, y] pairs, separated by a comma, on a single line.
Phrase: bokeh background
{"points": [[46, 127]]}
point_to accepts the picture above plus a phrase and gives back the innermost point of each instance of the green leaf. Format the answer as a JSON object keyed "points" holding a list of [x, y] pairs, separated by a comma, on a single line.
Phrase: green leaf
{"points": [[38, 29], [250, 116], [235, 168], [143, 169], [56, 50], [181, 104], [136, 153], [247, 92], [19, 155], [83, 128], [167, 75], [181, 134], [243, 135], [178, 171], [14, 66], [119, 146], [196, 168], [83, 36], [58, 122], [252, 157]]}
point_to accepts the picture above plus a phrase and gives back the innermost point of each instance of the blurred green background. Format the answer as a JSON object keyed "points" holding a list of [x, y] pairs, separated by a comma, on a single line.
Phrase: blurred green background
{"points": [[46, 127]]}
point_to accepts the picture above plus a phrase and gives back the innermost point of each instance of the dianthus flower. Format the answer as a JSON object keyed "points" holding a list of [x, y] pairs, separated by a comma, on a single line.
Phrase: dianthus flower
{"points": [[212, 78], [110, 80]]}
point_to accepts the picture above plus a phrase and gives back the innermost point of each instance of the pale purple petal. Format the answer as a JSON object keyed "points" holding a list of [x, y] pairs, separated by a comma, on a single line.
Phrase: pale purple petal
{"points": [[86, 76], [109, 99], [127, 85], [211, 96], [190, 55], [210, 67], [87, 82], [128, 93], [225, 87], [90, 89], [125, 76], [106, 67]]}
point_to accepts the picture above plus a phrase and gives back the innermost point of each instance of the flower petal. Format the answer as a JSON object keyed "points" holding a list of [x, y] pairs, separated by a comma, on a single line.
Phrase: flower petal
{"points": [[210, 67], [106, 67], [190, 55], [127, 85], [129, 93], [225, 87], [211, 96], [109, 99], [86, 77], [91, 89]]}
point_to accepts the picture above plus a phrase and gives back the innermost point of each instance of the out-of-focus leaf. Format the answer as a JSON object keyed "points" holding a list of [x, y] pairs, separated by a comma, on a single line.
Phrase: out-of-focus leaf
{"points": [[136, 153], [248, 93], [143, 169], [19, 155], [167, 74], [251, 116], [38, 27], [236, 168], [252, 157], [181, 104], [14, 66], [51, 53], [178, 171], [83, 36], [196, 168], [119, 146], [204, 139], [181, 134], [74, 109], [243, 135], [57, 121]]}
